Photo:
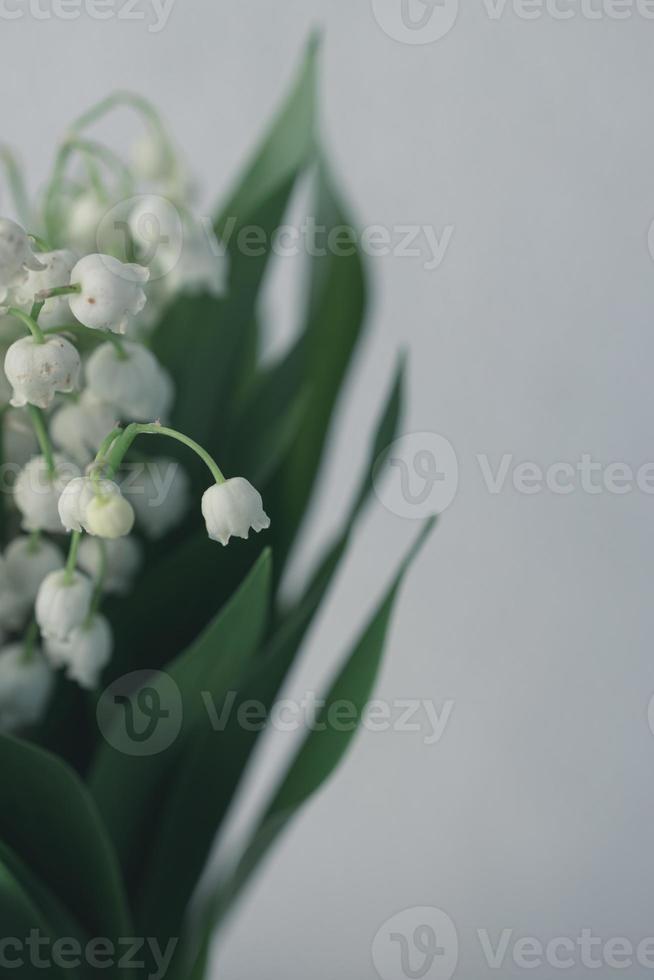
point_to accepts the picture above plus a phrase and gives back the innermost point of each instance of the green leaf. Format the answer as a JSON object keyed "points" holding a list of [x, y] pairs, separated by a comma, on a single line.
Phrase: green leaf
{"points": [[201, 801], [333, 328], [18, 918], [208, 371], [131, 790], [321, 751], [53, 826], [284, 152], [61, 922]]}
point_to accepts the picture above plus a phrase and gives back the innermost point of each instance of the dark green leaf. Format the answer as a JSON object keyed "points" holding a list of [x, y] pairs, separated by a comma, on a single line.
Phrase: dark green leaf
{"points": [[53, 826], [131, 790]]}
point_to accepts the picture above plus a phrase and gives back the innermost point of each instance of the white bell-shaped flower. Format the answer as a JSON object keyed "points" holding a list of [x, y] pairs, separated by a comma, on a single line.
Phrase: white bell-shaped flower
{"points": [[233, 508], [16, 257], [160, 494], [19, 442], [78, 428], [36, 492], [37, 371], [85, 653], [14, 606], [137, 386], [121, 561], [202, 266], [151, 158], [111, 292], [85, 216], [58, 266], [63, 603], [25, 686], [79, 502], [28, 561], [109, 516], [156, 229]]}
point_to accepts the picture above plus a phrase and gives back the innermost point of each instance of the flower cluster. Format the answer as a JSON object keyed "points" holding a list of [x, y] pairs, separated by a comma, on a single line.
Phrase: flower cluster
{"points": [[71, 412]]}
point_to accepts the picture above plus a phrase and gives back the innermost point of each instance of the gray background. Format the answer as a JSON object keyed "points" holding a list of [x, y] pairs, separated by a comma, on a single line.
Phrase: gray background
{"points": [[533, 338]]}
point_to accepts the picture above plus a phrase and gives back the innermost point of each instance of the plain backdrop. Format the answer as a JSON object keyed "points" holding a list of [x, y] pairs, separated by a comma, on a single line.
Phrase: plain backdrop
{"points": [[532, 340]]}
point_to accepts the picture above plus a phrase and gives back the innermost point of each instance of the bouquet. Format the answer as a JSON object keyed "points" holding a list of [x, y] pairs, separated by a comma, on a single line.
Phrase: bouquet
{"points": [[157, 472]]}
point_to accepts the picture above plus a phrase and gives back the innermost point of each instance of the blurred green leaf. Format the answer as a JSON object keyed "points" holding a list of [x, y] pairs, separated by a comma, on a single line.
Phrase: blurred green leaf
{"points": [[53, 826], [18, 917], [131, 791], [334, 323], [320, 753]]}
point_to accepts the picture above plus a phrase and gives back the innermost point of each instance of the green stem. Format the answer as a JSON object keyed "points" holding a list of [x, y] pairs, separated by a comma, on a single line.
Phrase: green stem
{"points": [[16, 184], [99, 582], [45, 294], [121, 446], [40, 242], [31, 634], [140, 105], [36, 414], [29, 322], [71, 561], [34, 542], [118, 345], [87, 147]]}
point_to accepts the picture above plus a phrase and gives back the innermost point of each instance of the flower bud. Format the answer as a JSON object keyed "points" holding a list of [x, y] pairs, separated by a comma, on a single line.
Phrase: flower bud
{"points": [[63, 604], [28, 562], [85, 653], [109, 516], [137, 387], [78, 496], [36, 492], [16, 257], [25, 687], [232, 508], [122, 558], [37, 371], [83, 217], [152, 159], [160, 495], [110, 292], [19, 442]]}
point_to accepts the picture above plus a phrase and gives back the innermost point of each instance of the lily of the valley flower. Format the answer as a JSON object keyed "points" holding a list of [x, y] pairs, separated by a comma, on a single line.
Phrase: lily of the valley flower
{"points": [[79, 427], [13, 605], [37, 492], [25, 686], [118, 565], [85, 653], [63, 602], [109, 516], [95, 506], [16, 257], [233, 508], [56, 272], [36, 371], [135, 385], [27, 563], [110, 292]]}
